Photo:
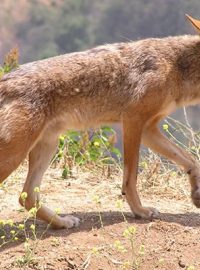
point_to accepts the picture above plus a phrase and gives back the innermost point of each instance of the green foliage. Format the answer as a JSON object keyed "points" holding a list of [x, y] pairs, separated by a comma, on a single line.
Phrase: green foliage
{"points": [[86, 148], [11, 232], [10, 62]]}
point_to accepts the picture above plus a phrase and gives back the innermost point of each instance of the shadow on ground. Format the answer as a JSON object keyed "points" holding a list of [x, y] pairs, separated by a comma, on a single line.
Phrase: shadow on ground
{"points": [[91, 220]]}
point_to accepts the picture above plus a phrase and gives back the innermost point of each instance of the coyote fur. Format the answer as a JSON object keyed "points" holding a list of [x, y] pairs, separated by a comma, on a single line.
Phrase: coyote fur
{"points": [[136, 83]]}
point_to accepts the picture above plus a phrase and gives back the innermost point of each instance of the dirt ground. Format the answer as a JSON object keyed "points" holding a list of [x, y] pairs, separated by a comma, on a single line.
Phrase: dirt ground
{"points": [[108, 237]]}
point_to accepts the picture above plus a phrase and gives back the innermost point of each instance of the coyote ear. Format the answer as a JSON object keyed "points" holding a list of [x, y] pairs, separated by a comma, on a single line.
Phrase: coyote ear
{"points": [[195, 22]]}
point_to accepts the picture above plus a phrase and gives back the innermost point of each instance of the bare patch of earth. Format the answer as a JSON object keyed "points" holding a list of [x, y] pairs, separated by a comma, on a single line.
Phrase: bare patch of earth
{"points": [[170, 242]]}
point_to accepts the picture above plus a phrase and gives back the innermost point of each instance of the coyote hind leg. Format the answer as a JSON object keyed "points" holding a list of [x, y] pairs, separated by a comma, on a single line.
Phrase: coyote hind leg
{"points": [[39, 159], [153, 138], [132, 130]]}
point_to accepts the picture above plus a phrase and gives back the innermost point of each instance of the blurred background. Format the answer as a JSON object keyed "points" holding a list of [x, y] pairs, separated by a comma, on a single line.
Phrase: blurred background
{"points": [[44, 28]]}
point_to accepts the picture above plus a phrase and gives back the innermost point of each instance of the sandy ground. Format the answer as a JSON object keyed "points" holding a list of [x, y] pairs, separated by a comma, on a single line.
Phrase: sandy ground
{"points": [[170, 242]]}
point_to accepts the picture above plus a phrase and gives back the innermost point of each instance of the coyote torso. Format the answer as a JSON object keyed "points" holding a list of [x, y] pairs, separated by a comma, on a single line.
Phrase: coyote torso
{"points": [[97, 86]]}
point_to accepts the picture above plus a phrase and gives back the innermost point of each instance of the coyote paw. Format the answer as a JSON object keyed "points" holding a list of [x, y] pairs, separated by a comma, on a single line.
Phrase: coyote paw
{"points": [[70, 221], [147, 213], [196, 197], [194, 176]]}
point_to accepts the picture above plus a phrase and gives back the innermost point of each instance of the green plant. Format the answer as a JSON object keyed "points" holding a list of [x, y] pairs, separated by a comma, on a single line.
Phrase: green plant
{"points": [[87, 148], [124, 246], [190, 267], [24, 230], [11, 61]]}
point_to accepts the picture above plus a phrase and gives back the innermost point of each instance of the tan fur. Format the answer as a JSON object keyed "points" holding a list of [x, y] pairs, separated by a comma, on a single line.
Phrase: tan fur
{"points": [[137, 84]]}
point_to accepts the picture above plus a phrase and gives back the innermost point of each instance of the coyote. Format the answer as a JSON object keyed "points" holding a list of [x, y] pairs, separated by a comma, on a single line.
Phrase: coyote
{"points": [[136, 83]]}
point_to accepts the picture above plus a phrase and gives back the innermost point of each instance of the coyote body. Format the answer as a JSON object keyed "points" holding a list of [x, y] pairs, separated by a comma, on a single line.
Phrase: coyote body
{"points": [[137, 84]]}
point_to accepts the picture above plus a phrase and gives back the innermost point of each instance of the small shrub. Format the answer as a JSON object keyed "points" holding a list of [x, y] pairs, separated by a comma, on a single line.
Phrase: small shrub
{"points": [[87, 148], [11, 61]]}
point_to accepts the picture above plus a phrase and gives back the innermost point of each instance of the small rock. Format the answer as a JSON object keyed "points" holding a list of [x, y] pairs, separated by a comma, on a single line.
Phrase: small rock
{"points": [[181, 264], [71, 264]]}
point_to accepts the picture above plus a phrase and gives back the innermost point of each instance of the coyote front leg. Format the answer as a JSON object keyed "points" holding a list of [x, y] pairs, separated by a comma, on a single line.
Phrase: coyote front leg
{"points": [[153, 138], [132, 136], [39, 159]]}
